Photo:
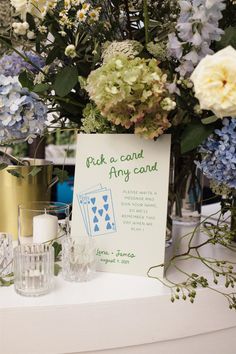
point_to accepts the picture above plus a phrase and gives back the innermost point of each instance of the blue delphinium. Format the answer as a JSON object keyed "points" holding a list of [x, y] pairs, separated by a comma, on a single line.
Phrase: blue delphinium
{"points": [[13, 64], [197, 27], [219, 155], [22, 114]]}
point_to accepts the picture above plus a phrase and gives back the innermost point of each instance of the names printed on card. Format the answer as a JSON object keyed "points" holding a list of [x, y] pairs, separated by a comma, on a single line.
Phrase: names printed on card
{"points": [[115, 256], [139, 209]]}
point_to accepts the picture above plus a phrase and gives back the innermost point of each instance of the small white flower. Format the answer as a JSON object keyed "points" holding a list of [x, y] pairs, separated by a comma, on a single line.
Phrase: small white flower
{"points": [[168, 104], [94, 15], [70, 51], [81, 15], [30, 35], [42, 29], [62, 33]]}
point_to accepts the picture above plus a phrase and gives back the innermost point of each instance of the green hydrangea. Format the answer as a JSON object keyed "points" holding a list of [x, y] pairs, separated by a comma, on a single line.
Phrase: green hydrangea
{"points": [[94, 122], [132, 93], [158, 50]]}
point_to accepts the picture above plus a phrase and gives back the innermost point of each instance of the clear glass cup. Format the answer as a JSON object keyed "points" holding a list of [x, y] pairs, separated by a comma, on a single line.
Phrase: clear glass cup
{"points": [[78, 259], [6, 254], [33, 269], [40, 222]]}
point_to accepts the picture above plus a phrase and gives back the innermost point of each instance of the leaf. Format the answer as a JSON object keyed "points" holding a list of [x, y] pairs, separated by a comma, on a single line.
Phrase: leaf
{"points": [[209, 120], [228, 38], [30, 20], [4, 282], [3, 166], [40, 88], [35, 171], [57, 249], [61, 174], [82, 81], [55, 52], [57, 269], [25, 80], [15, 173], [66, 80], [193, 136]]}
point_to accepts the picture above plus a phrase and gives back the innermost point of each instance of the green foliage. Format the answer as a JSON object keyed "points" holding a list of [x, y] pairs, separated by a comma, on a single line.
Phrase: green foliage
{"points": [[35, 170], [228, 38], [214, 234], [39, 88], [3, 166], [15, 173], [61, 174], [57, 249], [4, 282], [209, 120], [66, 80], [52, 55], [26, 81], [193, 135]]}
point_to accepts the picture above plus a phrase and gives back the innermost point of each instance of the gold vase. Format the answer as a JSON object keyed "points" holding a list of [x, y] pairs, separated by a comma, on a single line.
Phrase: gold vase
{"points": [[19, 190]]}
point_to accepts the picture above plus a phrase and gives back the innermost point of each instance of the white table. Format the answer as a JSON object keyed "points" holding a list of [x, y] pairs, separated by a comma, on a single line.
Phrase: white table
{"points": [[115, 314]]}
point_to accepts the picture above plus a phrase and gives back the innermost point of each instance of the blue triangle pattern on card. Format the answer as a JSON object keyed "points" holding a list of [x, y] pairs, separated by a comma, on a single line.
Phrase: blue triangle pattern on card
{"points": [[100, 211], [107, 218], [94, 209], [105, 197], [96, 229], [95, 219], [93, 200], [108, 226], [106, 206]]}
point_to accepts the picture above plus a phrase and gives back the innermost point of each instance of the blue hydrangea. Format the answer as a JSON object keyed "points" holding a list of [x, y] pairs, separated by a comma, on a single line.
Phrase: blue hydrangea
{"points": [[22, 114], [13, 64], [197, 27], [219, 155]]}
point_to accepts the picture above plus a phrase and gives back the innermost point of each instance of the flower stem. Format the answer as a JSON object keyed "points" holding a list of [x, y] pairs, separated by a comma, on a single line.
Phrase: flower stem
{"points": [[146, 21], [233, 218]]}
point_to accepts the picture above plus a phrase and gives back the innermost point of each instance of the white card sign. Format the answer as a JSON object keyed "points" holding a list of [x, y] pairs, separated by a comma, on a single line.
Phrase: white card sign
{"points": [[120, 199]]}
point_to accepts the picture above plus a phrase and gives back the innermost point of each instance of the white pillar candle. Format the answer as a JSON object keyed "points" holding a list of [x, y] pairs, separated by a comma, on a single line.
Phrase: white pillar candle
{"points": [[45, 228]]}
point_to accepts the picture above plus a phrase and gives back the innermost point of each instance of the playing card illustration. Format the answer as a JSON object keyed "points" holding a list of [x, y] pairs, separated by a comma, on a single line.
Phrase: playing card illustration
{"points": [[97, 210]]}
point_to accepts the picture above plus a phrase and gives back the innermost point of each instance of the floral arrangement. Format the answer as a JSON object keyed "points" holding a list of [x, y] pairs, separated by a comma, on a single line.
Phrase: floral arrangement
{"points": [[144, 67]]}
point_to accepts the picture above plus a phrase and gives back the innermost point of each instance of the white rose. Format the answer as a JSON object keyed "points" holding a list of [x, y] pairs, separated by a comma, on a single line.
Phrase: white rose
{"points": [[214, 82]]}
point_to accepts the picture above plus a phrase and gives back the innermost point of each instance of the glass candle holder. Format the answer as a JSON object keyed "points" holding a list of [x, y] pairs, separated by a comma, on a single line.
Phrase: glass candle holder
{"points": [[6, 254], [78, 259], [40, 222], [33, 269]]}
